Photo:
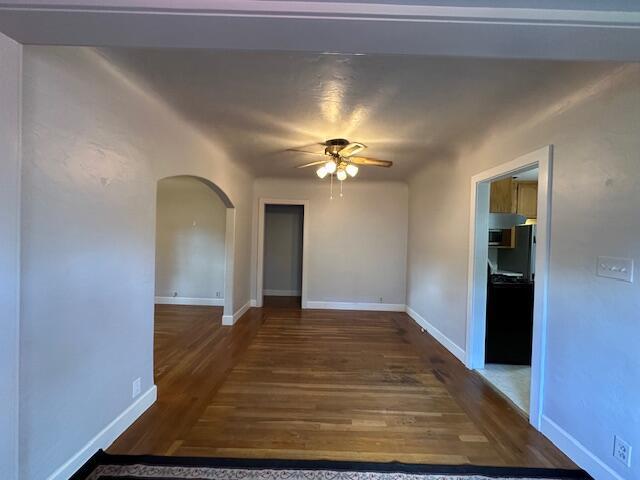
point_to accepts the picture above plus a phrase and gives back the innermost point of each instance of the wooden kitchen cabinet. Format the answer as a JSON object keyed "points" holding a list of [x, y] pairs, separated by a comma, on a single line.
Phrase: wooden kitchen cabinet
{"points": [[527, 203], [501, 197], [509, 196]]}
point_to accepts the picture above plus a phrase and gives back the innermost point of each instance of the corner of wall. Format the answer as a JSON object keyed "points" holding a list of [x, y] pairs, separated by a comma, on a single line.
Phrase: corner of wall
{"points": [[11, 54], [107, 435], [445, 341]]}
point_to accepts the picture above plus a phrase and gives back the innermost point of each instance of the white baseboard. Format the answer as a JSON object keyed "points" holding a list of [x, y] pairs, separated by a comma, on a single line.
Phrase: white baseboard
{"points": [[282, 293], [214, 302], [378, 307], [107, 436], [229, 320], [253, 302], [577, 452], [437, 334]]}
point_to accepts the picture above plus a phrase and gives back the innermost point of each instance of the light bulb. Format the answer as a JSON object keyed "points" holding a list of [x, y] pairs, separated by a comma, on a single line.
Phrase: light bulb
{"points": [[322, 172], [342, 175], [352, 170], [331, 166]]}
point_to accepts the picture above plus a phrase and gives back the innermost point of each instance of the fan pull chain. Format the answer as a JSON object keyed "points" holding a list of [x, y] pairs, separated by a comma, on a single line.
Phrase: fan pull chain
{"points": [[331, 197], [341, 183]]}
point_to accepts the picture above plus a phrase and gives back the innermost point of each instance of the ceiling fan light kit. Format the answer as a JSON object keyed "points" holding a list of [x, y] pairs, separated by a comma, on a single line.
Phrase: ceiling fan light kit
{"points": [[331, 166], [342, 160], [322, 172]]}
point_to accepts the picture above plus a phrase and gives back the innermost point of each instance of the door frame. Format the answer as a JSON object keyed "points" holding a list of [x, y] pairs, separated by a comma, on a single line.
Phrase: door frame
{"points": [[478, 258], [263, 202]]}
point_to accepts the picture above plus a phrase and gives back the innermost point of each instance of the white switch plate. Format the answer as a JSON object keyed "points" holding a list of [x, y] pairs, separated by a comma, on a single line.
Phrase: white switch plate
{"points": [[615, 267]]}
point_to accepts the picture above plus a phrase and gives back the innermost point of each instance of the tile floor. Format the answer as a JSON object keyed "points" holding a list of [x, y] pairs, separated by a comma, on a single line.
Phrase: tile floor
{"points": [[514, 381]]}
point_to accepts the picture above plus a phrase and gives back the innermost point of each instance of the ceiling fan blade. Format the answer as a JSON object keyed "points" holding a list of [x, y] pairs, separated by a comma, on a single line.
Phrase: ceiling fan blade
{"points": [[317, 148], [319, 162], [295, 150], [352, 149], [370, 162]]}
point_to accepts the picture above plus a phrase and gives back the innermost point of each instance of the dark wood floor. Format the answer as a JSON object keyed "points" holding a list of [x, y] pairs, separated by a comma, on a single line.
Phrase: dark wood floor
{"points": [[293, 384]]}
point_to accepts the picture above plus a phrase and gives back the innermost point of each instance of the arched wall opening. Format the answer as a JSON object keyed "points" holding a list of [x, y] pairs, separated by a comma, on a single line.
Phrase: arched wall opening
{"points": [[195, 236]]}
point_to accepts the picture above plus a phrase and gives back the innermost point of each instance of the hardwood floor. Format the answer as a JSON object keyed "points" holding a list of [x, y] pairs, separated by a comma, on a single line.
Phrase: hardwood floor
{"points": [[281, 302], [314, 384]]}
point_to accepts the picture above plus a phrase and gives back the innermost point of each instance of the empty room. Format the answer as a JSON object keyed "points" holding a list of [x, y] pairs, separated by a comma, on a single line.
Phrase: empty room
{"points": [[312, 239]]}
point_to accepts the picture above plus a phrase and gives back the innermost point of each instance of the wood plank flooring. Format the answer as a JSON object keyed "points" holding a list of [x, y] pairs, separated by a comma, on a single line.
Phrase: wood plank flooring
{"points": [[313, 384]]}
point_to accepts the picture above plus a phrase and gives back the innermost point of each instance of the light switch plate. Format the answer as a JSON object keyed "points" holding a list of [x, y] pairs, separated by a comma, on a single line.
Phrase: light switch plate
{"points": [[616, 267]]}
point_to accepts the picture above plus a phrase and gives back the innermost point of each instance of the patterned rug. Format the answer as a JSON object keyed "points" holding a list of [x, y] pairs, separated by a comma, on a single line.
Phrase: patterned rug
{"points": [[103, 466]]}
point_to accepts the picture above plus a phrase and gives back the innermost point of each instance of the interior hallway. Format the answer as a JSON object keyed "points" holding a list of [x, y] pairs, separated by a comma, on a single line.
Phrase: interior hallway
{"points": [[317, 384]]}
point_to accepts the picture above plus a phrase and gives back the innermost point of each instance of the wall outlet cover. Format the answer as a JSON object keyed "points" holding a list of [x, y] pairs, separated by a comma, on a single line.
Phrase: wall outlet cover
{"points": [[622, 451]]}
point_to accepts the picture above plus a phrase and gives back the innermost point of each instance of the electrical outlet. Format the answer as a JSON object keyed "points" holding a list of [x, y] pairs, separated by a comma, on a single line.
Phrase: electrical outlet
{"points": [[380, 299], [135, 388], [622, 450], [218, 294]]}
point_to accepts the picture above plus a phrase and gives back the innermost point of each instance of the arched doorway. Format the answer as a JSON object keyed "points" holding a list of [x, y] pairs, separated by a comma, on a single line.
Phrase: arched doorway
{"points": [[195, 236]]}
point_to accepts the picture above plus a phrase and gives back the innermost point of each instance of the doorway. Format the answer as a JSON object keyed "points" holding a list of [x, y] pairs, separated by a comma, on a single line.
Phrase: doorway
{"points": [[195, 237], [282, 253], [282, 273], [508, 267], [511, 285]]}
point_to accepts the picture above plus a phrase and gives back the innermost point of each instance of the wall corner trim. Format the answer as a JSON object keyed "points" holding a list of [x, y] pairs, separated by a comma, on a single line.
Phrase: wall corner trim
{"points": [[576, 451], [229, 320], [107, 435], [214, 302], [445, 341], [374, 307]]}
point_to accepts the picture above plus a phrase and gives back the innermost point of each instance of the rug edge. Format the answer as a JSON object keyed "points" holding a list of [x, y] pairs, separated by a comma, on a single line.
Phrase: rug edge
{"points": [[102, 458]]}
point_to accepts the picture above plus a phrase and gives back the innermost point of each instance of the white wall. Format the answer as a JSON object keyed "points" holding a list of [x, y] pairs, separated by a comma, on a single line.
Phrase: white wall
{"points": [[94, 146], [10, 97], [190, 235], [283, 249], [357, 245], [592, 385]]}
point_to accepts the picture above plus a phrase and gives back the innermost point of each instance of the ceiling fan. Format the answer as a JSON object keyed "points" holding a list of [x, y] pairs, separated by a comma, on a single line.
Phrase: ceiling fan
{"points": [[342, 160]]}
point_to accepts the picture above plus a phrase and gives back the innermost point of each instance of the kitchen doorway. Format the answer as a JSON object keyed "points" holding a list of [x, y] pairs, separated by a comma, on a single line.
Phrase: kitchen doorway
{"points": [[508, 265], [511, 285], [282, 253]]}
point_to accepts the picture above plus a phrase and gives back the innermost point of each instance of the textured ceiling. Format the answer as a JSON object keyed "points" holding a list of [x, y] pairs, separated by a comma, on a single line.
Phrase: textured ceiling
{"points": [[407, 109]]}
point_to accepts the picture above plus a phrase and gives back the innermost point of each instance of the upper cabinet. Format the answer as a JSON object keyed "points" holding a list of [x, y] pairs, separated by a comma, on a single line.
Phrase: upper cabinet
{"points": [[501, 198], [527, 199], [510, 196]]}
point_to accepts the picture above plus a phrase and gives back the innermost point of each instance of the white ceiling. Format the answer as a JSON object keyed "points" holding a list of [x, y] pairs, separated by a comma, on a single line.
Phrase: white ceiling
{"points": [[407, 109]]}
